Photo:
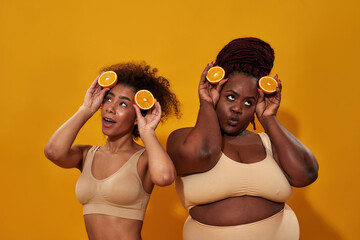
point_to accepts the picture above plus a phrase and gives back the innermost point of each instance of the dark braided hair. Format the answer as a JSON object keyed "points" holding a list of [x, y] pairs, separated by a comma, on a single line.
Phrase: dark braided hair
{"points": [[249, 55]]}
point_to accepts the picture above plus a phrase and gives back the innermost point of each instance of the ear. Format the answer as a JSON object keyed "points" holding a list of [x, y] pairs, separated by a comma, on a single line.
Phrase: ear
{"points": [[135, 122]]}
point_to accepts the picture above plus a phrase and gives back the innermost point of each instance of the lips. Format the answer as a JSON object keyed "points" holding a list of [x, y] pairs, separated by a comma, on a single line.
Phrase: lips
{"points": [[233, 121], [108, 122]]}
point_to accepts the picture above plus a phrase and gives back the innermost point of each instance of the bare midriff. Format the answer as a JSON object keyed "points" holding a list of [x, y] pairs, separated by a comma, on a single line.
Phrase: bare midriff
{"points": [[99, 227], [235, 211]]}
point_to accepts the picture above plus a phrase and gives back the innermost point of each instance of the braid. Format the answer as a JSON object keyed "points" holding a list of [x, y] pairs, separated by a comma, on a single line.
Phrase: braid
{"points": [[248, 55]]}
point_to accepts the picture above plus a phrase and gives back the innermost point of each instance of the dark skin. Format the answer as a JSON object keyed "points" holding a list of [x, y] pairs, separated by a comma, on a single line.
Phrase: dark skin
{"points": [[227, 109]]}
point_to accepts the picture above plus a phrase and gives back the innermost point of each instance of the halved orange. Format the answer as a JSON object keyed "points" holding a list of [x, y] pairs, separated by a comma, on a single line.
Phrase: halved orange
{"points": [[268, 84], [144, 99], [215, 74], [107, 79]]}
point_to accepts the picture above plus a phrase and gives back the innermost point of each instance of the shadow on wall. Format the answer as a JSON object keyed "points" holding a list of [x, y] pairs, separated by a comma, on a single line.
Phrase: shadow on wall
{"points": [[312, 225]]}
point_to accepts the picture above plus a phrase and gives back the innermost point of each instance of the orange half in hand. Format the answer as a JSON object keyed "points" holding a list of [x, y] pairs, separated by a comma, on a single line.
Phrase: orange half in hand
{"points": [[107, 79], [215, 74], [268, 84], [144, 99]]}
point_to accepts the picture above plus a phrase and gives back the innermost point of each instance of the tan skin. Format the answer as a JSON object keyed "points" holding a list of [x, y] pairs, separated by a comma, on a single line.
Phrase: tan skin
{"points": [[154, 166], [227, 109]]}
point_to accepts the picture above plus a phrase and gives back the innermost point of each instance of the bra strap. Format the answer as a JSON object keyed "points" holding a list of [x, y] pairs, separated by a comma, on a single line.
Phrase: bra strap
{"points": [[137, 155], [90, 155], [266, 141]]}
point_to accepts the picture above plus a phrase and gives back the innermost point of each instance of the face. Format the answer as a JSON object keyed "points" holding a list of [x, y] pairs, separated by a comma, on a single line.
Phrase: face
{"points": [[118, 114], [236, 106]]}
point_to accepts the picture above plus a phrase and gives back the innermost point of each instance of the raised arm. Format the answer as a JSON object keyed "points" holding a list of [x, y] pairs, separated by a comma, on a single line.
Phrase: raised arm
{"points": [[197, 149], [296, 160], [161, 169], [60, 149]]}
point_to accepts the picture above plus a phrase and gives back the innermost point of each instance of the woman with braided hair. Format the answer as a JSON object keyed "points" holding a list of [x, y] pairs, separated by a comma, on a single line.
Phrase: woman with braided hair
{"points": [[234, 182]]}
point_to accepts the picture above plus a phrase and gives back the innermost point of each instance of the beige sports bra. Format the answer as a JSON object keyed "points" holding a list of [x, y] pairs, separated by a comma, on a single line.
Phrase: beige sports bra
{"points": [[121, 194], [229, 178]]}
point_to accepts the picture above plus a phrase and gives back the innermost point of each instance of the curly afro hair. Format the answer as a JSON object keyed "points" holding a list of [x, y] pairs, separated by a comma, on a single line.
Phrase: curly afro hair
{"points": [[249, 55], [141, 76]]}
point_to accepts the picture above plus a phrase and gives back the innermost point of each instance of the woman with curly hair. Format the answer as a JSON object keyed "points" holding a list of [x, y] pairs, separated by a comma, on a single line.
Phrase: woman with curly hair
{"points": [[235, 182], [118, 177]]}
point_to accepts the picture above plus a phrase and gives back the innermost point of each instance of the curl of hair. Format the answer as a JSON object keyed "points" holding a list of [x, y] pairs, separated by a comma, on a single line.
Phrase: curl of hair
{"points": [[249, 55], [141, 76]]}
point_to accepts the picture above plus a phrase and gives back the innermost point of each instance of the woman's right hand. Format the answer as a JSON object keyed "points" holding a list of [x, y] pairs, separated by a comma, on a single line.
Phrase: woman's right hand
{"points": [[207, 91], [94, 96]]}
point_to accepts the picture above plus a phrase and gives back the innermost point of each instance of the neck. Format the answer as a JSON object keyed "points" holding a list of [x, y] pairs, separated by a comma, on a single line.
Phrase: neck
{"points": [[119, 144]]}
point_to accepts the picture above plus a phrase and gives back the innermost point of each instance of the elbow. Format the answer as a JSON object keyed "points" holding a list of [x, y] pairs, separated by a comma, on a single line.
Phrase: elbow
{"points": [[51, 153], [312, 171], [312, 174], [164, 179], [308, 177]]}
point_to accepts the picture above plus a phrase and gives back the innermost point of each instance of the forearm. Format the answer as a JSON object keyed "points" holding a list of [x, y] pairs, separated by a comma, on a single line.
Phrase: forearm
{"points": [[295, 158], [60, 143], [161, 168], [205, 137]]}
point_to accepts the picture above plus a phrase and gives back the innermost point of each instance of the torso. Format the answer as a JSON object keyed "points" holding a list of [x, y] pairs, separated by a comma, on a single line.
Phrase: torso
{"points": [[246, 149], [105, 227]]}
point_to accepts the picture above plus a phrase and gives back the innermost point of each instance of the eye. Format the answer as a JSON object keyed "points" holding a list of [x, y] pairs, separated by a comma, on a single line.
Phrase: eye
{"points": [[248, 103], [108, 99], [123, 104], [231, 97]]}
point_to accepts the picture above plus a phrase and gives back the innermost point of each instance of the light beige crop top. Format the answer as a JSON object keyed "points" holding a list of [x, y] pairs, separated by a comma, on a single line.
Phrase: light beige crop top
{"points": [[229, 178], [120, 195]]}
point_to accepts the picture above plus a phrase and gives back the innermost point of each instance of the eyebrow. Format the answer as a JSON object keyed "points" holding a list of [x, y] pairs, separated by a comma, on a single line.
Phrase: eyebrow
{"points": [[121, 97]]}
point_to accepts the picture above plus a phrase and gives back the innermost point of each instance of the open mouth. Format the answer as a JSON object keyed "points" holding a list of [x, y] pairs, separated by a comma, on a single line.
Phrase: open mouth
{"points": [[109, 120]]}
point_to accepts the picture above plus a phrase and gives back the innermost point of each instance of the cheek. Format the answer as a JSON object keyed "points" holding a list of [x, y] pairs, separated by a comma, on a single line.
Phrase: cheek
{"points": [[222, 111], [127, 115], [250, 112]]}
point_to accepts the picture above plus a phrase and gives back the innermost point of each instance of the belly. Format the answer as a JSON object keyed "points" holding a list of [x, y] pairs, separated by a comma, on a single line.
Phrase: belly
{"points": [[100, 227], [235, 211]]}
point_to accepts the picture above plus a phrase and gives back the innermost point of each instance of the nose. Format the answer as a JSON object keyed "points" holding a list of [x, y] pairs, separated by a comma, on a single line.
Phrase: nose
{"points": [[236, 108], [110, 108]]}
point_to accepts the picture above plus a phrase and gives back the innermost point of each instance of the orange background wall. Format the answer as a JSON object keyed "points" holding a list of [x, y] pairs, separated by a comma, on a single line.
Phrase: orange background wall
{"points": [[50, 51]]}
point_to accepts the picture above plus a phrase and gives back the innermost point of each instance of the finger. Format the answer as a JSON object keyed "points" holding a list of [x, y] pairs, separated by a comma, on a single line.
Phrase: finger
{"points": [[104, 92], [95, 82], [137, 111], [280, 85], [203, 75], [157, 107], [261, 95], [221, 84]]}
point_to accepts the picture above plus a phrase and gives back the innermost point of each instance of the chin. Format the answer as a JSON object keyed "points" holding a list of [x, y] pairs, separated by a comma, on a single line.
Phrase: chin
{"points": [[230, 131]]}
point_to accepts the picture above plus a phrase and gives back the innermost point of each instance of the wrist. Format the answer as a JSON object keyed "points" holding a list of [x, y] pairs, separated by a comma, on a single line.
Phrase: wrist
{"points": [[147, 134], [205, 103], [87, 111], [268, 121]]}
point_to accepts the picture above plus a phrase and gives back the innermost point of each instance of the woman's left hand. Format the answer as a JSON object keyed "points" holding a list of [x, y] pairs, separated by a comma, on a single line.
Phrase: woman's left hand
{"points": [[268, 104], [150, 120]]}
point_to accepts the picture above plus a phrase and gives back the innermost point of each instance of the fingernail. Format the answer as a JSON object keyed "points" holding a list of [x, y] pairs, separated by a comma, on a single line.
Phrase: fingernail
{"points": [[258, 90]]}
